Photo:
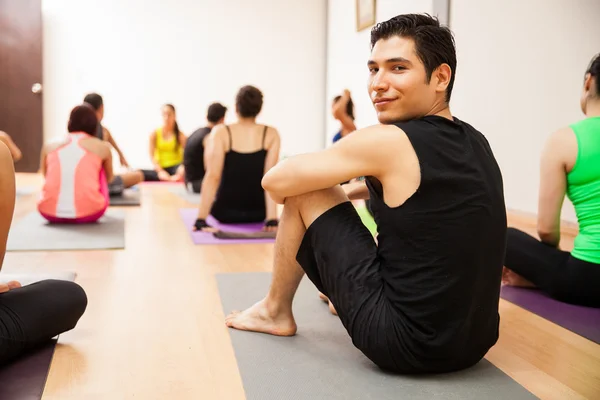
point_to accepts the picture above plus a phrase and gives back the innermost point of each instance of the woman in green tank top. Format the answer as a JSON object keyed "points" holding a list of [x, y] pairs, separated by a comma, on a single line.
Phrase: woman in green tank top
{"points": [[570, 166]]}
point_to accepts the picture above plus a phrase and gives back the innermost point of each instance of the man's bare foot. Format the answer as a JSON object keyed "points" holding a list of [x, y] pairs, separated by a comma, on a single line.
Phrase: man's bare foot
{"points": [[258, 319], [511, 278], [332, 308]]}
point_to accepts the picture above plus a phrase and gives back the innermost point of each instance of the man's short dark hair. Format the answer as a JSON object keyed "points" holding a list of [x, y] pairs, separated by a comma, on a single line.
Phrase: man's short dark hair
{"points": [[249, 101], [216, 112], [434, 44], [94, 100]]}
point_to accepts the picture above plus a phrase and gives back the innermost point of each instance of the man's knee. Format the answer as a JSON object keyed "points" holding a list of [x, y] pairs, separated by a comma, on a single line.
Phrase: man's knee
{"points": [[311, 205]]}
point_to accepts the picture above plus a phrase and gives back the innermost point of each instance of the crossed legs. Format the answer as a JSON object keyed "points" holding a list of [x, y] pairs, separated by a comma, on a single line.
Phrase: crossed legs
{"points": [[273, 314]]}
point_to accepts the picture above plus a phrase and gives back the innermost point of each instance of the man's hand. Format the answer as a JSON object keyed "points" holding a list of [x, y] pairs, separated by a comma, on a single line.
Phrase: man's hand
{"points": [[6, 287]]}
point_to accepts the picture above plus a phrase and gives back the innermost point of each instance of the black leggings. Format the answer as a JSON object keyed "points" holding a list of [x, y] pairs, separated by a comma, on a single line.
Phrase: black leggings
{"points": [[32, 315], [152, 176], [554, 271]]}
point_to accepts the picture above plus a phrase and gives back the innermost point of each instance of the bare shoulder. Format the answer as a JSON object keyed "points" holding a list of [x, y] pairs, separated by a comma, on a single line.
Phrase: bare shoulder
{"points": [[562, 147], [377, 138], [55, 143], [562, 141], [218, 135], [96, 146], [272, 136]]}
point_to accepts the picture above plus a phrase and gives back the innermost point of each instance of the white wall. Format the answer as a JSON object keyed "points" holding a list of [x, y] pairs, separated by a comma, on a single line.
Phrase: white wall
{"points": [[519, 77], [140, 54], [348, 52]]}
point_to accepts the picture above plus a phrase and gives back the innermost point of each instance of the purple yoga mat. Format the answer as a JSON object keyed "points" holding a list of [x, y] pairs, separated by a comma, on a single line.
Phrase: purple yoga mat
{"points": [[25, 378], [189, 218], [584, 321]]}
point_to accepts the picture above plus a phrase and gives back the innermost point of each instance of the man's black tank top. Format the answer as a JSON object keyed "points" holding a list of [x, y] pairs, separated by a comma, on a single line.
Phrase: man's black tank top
{"points": [[240, 192], [193, 155], [442, 251]]}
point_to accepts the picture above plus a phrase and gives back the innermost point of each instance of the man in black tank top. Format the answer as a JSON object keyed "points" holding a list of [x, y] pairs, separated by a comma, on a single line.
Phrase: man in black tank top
{"points": [[193, 155], [425, 297]]}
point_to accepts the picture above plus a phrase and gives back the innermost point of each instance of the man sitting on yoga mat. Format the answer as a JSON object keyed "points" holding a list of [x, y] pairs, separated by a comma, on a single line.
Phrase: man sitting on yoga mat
{"points": [[570, 165], [425, 299], [237, 158], [121, 182], [33, 314], [166, 149], [193, 155], [15, 152]]}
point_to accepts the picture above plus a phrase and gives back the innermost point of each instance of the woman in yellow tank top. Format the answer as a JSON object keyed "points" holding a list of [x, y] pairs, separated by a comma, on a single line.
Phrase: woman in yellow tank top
{"points": [[166, 149]]}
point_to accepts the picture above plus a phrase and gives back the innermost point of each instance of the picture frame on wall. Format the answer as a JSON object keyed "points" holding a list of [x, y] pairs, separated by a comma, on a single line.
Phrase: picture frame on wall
{"points": [[365, 14]]}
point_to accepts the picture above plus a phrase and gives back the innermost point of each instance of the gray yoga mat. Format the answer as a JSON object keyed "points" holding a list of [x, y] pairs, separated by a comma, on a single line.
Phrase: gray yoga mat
{"points": [[28, 278], [34, 233], [127, 198], [320, 362], [188, 196], [24, 191]]}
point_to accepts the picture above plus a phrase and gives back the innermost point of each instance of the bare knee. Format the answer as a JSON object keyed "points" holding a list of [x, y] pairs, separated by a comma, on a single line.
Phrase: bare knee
{"points": [[313, 204]]}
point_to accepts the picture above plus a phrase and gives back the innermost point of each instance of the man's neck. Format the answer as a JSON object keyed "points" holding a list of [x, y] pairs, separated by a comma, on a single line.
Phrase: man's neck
{"points": [[211, 125], [443, 110]]}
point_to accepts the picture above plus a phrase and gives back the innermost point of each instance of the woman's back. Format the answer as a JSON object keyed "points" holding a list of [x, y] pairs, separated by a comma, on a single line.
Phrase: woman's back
{"points": [[74, 177], [583, 189], [240, 190]]}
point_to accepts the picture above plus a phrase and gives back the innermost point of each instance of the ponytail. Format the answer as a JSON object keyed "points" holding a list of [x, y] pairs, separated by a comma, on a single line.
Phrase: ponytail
{"points": [[176, 130]]}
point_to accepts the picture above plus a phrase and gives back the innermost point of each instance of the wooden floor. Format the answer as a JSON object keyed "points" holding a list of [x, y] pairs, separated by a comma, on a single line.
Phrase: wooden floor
{"points": [[154, 325]]}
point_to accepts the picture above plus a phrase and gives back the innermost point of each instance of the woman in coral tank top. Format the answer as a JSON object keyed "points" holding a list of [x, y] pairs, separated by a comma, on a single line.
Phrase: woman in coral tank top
{"points": [[76, 171]]}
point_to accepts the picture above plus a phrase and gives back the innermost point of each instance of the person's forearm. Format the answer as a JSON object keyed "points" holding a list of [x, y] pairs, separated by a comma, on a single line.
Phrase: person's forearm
{"points": [[271, 207], [209, 191]]}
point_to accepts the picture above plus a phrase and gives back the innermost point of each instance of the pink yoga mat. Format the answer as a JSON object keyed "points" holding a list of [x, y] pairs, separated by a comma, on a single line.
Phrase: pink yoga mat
{"points": [[189, 218]]}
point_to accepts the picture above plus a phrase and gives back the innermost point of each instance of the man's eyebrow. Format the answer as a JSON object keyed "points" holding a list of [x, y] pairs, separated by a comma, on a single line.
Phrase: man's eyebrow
{"points": [[392, 60]]}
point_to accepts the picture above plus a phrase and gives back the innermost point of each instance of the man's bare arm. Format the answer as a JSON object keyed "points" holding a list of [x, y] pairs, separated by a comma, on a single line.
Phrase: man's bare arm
{"points": [[370, 151]]}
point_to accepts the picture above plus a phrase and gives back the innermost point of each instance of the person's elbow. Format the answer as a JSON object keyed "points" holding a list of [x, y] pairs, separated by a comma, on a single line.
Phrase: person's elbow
{"points": [[212, 178], [548, 234], [274, 182]]}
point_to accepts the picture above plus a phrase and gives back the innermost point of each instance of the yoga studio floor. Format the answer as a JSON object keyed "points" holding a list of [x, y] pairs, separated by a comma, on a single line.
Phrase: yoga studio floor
{"points": [[154, 324]]}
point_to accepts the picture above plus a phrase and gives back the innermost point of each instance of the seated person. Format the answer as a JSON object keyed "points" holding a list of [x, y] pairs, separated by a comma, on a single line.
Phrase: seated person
{"points": [[193, 155], [77, 170], [569, 166], [343, 110], [237, 158], [166, 149], [102, 133], [123, 181], [31, 315], [15, 152], [424, 299]]}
